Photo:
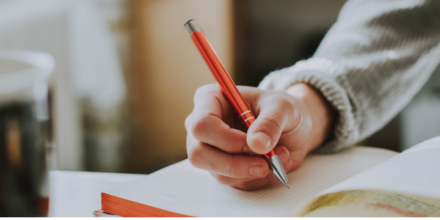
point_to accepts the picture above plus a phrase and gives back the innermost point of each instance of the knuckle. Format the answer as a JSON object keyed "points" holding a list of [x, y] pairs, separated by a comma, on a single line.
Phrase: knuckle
{"points": [[284, 104], [195, 156], [233, 168], [272, 121], [229, 145], [223, 179], [199, 126], [244, 186], [188, 121]]}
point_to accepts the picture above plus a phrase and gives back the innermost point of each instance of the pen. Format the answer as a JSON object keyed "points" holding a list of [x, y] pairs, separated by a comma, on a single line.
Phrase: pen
{"points": [[230, 91]]}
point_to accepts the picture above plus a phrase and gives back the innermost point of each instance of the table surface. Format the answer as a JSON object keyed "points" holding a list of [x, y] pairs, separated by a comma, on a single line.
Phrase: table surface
{"points": [[78, 194]]}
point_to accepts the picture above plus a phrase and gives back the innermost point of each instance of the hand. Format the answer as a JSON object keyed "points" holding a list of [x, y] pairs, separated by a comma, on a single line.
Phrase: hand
{"points": [[293, 123]]}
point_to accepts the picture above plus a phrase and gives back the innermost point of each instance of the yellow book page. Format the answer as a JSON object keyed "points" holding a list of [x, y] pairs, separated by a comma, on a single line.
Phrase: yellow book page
{"points": [[370, 203]]}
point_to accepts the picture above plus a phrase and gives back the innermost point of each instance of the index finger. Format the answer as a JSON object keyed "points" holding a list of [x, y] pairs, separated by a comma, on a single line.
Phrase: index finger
{"points": [[207, 124], [209, 99]]}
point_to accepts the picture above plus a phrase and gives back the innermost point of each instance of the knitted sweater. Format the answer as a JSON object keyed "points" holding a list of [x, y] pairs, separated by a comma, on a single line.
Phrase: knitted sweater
{"points": [[370, 64]]}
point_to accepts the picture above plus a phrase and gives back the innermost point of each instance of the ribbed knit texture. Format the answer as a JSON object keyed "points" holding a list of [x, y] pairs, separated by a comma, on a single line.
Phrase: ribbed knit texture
{"points": [[370, 64]]}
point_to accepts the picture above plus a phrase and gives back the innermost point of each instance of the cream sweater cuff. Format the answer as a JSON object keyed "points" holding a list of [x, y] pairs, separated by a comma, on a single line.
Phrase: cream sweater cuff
{"points": [[320, 74]]}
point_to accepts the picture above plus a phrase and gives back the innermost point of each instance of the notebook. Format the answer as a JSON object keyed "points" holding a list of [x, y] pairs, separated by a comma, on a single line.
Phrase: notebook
{"points": [[361, 181]]}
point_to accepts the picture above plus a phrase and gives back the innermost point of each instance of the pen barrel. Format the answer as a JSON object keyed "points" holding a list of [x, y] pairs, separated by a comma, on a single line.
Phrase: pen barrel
{"points": [[221, 75]]}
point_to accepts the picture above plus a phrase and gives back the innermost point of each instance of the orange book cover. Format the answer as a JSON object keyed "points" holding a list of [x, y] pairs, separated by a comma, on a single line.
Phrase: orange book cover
{"points": [[126, 208]]}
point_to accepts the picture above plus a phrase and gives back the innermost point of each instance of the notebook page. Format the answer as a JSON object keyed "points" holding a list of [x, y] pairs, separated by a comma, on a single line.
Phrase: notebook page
{"points": [[183, 189], [416, 171]]}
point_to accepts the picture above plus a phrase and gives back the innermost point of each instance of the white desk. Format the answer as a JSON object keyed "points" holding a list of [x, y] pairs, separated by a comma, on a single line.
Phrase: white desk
{"points": [[78, 194]]}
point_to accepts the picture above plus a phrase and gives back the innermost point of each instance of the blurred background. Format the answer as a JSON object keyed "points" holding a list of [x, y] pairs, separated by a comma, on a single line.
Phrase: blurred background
{"points": [[126, 70]]}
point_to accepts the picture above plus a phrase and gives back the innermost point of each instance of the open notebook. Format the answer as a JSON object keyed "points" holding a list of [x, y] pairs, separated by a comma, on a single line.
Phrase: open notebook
{"points": [[406, 184]]}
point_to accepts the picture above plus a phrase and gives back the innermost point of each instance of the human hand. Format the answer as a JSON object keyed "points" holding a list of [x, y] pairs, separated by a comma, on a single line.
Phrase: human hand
{"points": [[292, 122]]}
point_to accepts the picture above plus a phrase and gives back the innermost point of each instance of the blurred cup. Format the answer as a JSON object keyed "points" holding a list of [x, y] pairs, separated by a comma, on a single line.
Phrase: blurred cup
{"points": [[24, 132]]}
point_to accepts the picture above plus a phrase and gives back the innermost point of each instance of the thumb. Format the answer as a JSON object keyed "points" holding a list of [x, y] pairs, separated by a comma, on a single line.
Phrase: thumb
{"points": [[264, 133]]}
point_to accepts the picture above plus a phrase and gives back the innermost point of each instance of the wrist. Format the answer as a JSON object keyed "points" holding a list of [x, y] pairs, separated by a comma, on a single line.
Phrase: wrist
{"points": [[322, 114]]}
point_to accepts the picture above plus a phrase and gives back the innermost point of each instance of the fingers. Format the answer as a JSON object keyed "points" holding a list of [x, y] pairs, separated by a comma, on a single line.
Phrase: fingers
{"points": [[245, 183], [265, 132], [213, 131], [207, 122], [209, 158], [252, 183]]}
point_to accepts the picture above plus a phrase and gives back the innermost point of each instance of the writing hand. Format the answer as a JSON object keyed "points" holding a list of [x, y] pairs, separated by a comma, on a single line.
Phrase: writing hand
{"points": [[293, 123]]}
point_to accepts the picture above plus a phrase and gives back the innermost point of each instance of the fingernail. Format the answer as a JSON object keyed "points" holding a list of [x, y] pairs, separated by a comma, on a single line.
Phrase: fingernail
{"points": [[283, 155], [257, 171], [263, 139]]}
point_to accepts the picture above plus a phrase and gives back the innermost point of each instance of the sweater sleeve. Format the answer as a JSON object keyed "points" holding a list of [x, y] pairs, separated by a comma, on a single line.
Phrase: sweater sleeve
{"points": [[370, 64]]}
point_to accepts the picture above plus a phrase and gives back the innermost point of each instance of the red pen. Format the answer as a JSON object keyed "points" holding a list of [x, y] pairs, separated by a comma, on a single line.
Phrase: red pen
{"points": [[230, 91]]}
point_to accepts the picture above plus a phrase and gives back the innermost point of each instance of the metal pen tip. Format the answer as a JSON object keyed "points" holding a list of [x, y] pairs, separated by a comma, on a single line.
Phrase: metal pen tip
{"points": [[278, 169], [287, 185]]}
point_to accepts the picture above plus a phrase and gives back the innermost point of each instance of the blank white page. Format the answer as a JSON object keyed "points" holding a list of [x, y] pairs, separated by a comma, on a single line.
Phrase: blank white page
{"points": [[183, 189]]}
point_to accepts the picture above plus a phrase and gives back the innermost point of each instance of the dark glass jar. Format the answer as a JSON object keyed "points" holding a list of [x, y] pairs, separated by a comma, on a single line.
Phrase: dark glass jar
{"points": [[24, 133]]}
